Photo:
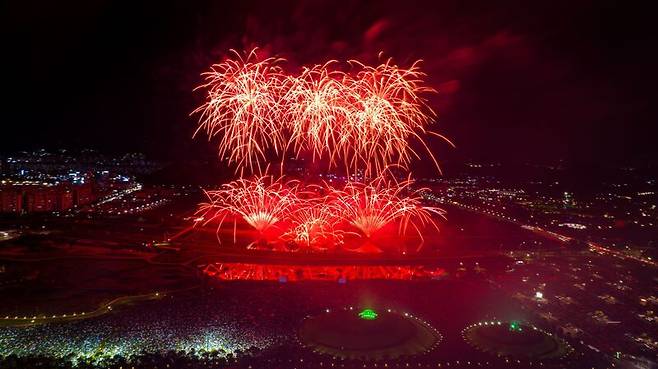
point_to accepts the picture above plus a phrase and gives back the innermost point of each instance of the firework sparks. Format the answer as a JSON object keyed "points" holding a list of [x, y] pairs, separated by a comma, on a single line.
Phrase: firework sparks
{"points": [[371, 206], [261, 202], [316, 111], [387, 111], [365, 119], [314, 224], [242, 108]]}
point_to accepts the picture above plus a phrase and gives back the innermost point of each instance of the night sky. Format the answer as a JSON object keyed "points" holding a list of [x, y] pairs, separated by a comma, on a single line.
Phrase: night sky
{"points": [[573, 80]]}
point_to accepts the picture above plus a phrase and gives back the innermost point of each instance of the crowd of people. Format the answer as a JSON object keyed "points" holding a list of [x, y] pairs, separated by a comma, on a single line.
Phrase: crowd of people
{"points": [[245, 324]]}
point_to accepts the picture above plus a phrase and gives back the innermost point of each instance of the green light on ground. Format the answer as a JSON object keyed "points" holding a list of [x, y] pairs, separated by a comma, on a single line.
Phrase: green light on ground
{"points": [[515, 326], [368, 314]]}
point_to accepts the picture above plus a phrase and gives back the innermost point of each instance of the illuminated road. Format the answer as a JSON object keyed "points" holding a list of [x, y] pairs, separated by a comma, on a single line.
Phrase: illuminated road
{"points": [[24, 321], [552, 235]]}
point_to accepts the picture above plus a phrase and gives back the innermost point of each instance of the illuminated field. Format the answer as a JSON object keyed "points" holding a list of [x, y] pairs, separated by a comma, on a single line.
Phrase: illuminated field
{"points": [[343, 273], [367, 334], [515, 339]]}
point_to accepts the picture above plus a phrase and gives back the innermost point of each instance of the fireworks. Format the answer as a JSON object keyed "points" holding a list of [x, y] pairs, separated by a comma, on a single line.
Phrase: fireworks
{"points": [[364, 120], [242, 107], [316, 112], [386, 111], [261, 202], [314, 225], [311, 221], [371, 206], [360, 119]]}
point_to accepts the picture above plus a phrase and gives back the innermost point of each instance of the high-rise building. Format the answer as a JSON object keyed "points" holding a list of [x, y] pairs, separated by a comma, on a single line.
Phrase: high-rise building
{"points": [[65, 200], [41, 199], [11, 200], [568, 200], [83, 195]]}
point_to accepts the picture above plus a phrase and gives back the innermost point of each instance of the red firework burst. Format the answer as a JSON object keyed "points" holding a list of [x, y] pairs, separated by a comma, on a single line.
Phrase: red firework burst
{"points": [[365, 119], [371, 206], [241, 107], [387, 112], [261, 202], [314, 224], [316, 112]]}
